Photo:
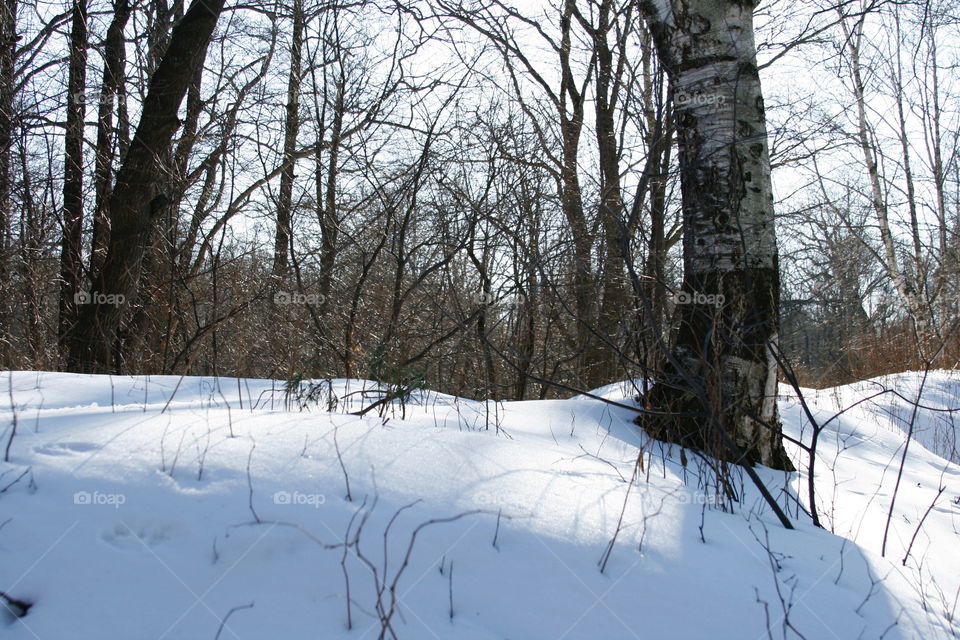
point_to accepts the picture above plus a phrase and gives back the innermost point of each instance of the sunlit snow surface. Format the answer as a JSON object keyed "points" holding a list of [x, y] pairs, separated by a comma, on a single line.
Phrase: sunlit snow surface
{"points": [[126, 513]]}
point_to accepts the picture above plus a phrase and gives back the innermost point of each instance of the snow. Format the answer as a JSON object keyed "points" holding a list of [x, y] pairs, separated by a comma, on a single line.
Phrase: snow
{"points": [[150, 507], [890, 401]]}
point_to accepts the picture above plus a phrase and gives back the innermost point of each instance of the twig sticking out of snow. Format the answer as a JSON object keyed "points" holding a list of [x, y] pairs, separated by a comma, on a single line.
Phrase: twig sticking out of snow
{"points": [[223, 623], [250, 486], [346, 477], [450, 591], [13, 422]]}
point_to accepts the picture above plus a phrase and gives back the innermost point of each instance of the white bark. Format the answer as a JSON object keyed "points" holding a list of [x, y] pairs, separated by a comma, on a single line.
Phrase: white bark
{"points": [[708, 49]]}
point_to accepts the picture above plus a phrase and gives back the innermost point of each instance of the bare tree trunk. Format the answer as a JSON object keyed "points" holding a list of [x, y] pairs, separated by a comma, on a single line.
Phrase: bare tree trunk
{"points": [[481, 262], [658, 143], [136, 200], [113, 75], [525, 343], [909, 292], [31, 257], [571, 202], [8, 45], [282, 237], [935, 109], [720, 368], [613, 312], [326, 191], [71, 253]]}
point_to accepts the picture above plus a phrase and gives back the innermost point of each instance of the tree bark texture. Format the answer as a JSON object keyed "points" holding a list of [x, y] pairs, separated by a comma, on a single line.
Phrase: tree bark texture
{"points": [[719, 385], [137, 200]]}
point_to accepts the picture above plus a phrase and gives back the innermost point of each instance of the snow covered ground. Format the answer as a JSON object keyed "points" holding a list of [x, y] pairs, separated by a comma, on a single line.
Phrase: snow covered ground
{"points": [[200, 508], [892, 399]]}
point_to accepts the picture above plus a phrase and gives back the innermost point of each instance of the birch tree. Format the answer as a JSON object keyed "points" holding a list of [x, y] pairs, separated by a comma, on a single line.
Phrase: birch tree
{"points": [[718, 391]]}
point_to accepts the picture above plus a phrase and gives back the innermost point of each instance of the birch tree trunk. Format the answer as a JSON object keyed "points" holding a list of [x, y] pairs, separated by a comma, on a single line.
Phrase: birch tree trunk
{"points": [[909, 288], [718, 391]]}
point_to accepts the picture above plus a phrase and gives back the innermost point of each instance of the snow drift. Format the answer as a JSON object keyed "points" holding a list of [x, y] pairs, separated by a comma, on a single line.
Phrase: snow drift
{"points": [[201, 508]]}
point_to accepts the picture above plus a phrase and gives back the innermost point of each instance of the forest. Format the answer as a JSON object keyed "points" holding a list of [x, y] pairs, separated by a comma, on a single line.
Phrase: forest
{"points": [[477, 197]]}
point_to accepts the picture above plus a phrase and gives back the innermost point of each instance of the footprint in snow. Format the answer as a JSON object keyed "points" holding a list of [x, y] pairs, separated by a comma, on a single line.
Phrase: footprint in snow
{"points": [[141, 535]]}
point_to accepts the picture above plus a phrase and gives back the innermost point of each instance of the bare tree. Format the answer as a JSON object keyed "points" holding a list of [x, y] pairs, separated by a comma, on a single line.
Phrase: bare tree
{"points": [[8, 50], [134, 203], [71, 250], [291, 129], [110, 100]]}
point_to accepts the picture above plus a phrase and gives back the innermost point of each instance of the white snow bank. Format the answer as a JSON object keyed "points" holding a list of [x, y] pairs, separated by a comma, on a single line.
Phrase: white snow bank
{"points": [[151, 507]]}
